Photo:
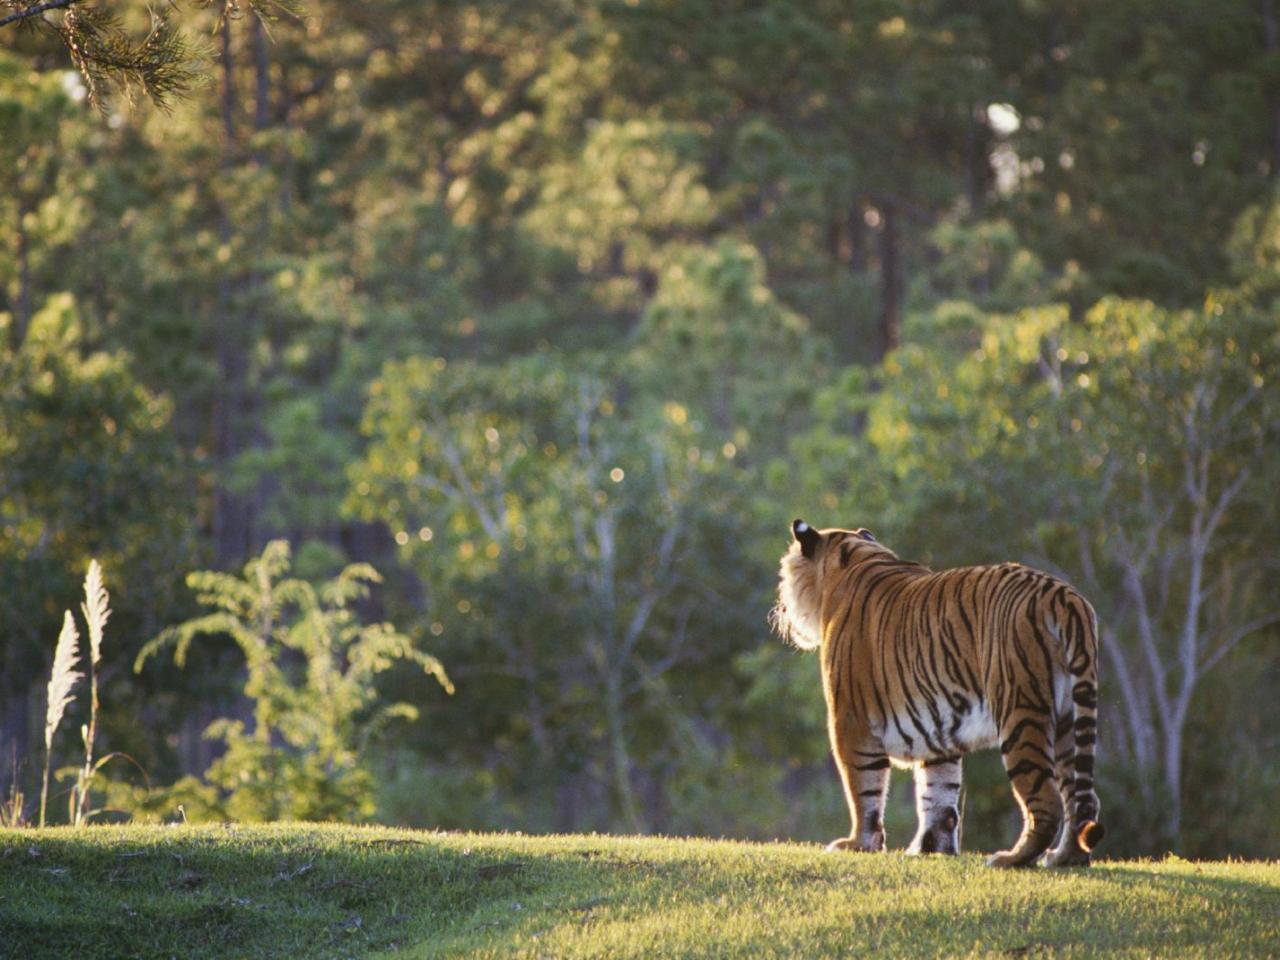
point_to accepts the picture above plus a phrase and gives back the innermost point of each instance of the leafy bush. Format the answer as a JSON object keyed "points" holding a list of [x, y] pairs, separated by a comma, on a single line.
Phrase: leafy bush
{"points": [[311, 666]]}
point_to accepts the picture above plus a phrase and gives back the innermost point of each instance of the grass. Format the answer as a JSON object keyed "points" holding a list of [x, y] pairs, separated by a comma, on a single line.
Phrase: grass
{"points": [[336, 891]]}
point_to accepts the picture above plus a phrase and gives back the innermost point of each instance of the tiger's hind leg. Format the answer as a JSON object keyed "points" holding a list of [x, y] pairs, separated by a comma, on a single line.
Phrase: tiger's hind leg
{"points": [[1067, 852], [937, 806], [1029, 762], [864, 771]]}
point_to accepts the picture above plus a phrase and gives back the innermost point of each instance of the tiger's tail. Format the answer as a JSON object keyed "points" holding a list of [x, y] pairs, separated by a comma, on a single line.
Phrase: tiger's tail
{"points": [[1080, 640]]}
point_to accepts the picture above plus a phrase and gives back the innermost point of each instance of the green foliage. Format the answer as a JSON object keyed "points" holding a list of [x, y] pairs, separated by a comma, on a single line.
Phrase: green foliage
{"points": [[1143, 138], [410, 282], [88, 470], [633, 190], [984, 264], [715, 337], [311, 666], [559, 536]]}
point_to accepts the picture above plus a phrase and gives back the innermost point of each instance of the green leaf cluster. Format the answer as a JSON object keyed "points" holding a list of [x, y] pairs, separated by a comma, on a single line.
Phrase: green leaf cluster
{"points": [[311, 665]]}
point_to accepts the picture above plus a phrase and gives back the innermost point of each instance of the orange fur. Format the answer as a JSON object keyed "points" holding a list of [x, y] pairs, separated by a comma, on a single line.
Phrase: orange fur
{"points": [[920, 667]]}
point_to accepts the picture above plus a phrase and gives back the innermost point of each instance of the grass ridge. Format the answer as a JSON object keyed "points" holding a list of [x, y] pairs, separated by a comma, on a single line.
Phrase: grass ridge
{"points": [[309, 890]]}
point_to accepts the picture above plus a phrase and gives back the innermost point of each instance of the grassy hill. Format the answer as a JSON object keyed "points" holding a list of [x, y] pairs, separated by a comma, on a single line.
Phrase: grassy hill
{"points": [[335, 891]]}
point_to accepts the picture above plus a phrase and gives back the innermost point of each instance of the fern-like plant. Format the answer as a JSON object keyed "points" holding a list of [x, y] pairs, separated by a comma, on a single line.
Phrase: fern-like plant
{"points": [[311, 668], [61, 681]]}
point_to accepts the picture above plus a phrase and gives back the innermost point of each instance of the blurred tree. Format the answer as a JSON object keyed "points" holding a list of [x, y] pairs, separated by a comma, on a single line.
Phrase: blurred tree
{"points": [[867, 129], [34, 111], [716, 338], [89, 470], [1142, 133], [571, 534]]}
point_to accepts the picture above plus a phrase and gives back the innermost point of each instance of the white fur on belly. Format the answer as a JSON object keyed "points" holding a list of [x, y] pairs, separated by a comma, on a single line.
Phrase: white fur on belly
{"points": [[977, 730]]}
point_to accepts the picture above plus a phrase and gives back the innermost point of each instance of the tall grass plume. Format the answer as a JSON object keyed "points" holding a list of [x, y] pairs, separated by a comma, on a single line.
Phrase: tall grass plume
{"points": [[61, 680], [96, 610]]}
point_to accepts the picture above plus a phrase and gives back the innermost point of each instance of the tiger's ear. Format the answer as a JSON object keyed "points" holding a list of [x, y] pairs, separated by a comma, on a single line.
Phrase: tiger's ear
{"points": [[865, 534], [806, 536]]}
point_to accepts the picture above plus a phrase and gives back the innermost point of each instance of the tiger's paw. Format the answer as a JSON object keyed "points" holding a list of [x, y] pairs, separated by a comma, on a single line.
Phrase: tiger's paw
{"points": [[871, 844], [1006, 859], [1076, 850], [933, 841], [1067, 856], [938, 836]]}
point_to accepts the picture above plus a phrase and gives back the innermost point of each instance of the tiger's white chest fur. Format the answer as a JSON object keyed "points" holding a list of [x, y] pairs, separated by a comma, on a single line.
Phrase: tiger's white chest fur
{"points": [[955, 732]]}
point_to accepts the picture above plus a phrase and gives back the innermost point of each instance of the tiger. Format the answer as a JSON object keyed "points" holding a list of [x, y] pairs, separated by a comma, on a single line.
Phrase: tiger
{"points": [[920, 667]]}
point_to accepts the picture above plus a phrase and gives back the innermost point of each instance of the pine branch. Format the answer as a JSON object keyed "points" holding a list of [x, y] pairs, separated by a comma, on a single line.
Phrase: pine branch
{"points": [[163, 65], [26, 12]]}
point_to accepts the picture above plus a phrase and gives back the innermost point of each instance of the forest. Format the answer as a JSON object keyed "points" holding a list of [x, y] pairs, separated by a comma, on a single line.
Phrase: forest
{"points": [[435, 382]]}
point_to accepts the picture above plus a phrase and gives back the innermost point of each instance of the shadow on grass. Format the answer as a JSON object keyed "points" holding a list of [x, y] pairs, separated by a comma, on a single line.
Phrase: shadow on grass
{"points": [[189, 897]]}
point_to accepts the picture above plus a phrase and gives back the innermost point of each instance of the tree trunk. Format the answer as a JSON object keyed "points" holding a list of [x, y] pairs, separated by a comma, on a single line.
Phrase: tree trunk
{"points": [[857, 239], [230, 516], [261, 76], [22, 303], [890, 281], [977, 164], [620, 754], [1270, 43], [1173, 776], [254, 283]]}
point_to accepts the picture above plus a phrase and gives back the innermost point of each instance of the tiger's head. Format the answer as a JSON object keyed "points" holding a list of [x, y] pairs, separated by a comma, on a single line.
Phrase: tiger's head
{"points": [[812, 556]]}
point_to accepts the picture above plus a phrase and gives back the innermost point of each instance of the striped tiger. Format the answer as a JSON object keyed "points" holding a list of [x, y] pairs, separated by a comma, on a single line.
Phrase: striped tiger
{"points": [[920, 667]]}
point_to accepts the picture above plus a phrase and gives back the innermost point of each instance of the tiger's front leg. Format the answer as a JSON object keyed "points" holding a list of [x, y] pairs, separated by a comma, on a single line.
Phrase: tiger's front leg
{"points": [[864, 771], [937, 806]]}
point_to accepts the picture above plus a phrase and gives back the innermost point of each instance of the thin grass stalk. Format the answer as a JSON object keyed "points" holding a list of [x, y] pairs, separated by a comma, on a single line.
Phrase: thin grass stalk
{"points": [[62, 678], [96, 612], [11, 811]]}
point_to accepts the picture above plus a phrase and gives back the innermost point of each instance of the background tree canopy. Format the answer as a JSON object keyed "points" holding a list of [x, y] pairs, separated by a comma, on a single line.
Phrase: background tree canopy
{"points": [[556, 312]]}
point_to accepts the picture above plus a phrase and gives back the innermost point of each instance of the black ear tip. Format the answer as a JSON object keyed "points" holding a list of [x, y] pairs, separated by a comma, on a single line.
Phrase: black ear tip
{"points": [[806, 536]]}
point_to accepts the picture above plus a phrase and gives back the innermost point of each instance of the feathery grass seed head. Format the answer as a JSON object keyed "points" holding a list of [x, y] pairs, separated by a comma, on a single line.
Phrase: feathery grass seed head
{"points": [[63, 678], [95, 609]]}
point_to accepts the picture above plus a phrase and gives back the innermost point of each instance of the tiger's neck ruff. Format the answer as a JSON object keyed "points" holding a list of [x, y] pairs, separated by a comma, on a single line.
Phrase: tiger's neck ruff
{"points": [[805, 570], [797, 614]]}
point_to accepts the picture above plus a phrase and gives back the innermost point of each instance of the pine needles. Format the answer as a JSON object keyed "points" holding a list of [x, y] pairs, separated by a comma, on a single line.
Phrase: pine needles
{"points": [[163, 66]]}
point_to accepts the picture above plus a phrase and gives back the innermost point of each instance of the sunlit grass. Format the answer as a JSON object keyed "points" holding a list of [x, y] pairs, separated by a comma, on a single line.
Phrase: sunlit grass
{"points": [[332, 891], [61, 681]]}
